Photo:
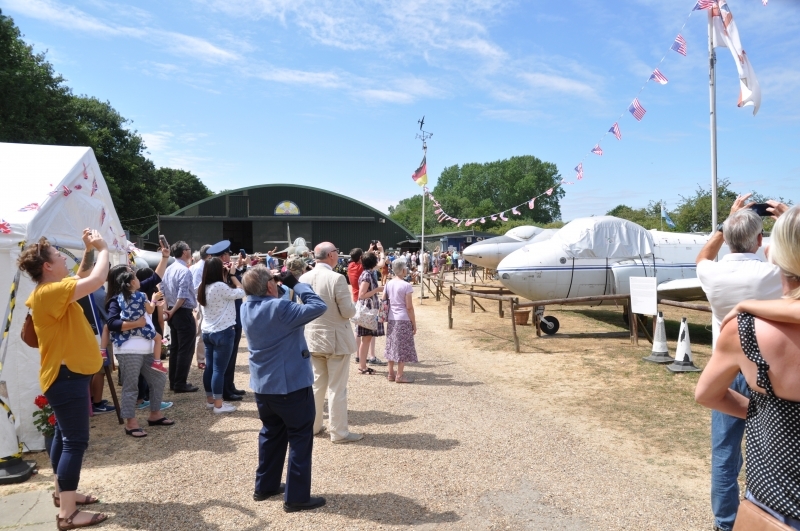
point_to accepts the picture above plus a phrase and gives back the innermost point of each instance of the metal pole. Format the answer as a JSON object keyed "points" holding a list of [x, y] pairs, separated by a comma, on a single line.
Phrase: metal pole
{"points": [[422, 246], [712, 91]]}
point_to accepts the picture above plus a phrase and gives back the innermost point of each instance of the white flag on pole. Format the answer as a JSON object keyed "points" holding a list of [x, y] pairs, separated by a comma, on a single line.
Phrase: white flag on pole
{"points": [[726, 35]]}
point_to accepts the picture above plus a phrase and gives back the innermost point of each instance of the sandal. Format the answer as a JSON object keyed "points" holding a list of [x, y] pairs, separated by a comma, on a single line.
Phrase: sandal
{"points": [[368, 370], [67, 523], [201, 366], [163, 421], [135, 430], [87, 500], [390, 377], [404, 379]]}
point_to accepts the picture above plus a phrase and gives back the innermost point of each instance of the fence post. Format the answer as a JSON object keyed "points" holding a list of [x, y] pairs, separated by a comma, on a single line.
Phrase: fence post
{"points": [[450, 308], [471, 300], [514, 303], [500, 309]]}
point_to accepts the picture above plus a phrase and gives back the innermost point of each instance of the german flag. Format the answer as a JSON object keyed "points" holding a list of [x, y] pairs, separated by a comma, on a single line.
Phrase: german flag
{"points": [[420, 176]]}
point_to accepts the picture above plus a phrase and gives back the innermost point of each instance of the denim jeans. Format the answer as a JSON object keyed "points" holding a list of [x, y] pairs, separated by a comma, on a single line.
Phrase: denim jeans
{"points": [[69, 398], [219, 346], [726, 461]]}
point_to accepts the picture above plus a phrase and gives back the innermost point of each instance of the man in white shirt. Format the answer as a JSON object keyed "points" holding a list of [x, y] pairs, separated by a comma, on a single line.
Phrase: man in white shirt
{"points": [[738, 276], [330, 340], [197, 276]]}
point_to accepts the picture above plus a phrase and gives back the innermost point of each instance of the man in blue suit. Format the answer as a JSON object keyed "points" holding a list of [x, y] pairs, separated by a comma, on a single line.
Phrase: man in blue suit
{"points": [[281, 377]]}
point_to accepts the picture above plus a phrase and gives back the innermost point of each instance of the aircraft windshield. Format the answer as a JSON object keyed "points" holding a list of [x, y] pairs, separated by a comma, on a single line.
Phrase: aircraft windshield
{"points": [[526, 232]]}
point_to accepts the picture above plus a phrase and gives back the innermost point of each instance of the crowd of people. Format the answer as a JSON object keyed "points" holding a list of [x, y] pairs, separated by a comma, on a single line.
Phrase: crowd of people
{"points": [[297, 320], [303, 323]]}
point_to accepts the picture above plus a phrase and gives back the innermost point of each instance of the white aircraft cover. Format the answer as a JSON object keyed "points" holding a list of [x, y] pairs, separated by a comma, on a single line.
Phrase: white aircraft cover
{"points": [[52, 191], [603, 237]]}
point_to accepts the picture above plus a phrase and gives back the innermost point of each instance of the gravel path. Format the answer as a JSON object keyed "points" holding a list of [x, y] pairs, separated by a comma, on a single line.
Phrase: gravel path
{"points": [[450, 451]]}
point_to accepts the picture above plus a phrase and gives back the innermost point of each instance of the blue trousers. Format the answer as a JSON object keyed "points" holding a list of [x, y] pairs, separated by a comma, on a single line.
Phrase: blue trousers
{"points": [[286, 419], [726, 461], [219, 346], [229, 387], [69, 398]]}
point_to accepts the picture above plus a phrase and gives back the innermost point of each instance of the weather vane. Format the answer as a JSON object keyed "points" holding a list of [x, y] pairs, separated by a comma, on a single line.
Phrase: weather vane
{"points": [[423, 135]]}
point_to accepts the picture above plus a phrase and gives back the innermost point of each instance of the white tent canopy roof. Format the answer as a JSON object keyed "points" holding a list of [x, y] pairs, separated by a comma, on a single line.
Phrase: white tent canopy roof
{"points": [[603, 237], [56, 192]]}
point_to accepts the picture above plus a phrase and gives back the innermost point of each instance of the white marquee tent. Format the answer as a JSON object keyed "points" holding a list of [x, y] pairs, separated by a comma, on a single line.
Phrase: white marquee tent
{"points": [[56, 192]]}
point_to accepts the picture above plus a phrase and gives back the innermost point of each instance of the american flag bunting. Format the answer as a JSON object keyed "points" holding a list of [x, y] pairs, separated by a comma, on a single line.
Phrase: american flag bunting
{"points": [[597, 150], [5, 227], [27, 208], [579, 171], [679, 45], [658, 77], [704, 4], [549, 192], [615, 131], [531, 202], [516, 212], [637, 110]]}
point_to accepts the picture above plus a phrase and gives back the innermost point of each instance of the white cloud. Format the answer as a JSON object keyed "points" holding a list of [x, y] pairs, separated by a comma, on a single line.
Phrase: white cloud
{"points": [[390, 96], [74, 19], [298, 77], [554, 83]]}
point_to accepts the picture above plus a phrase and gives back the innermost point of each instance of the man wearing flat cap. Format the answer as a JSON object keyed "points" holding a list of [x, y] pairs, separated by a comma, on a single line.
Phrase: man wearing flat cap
{"points": [[230, 393]]}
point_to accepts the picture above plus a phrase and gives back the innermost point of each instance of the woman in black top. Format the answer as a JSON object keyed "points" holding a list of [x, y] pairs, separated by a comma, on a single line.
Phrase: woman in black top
{"points": [[768, 355]]}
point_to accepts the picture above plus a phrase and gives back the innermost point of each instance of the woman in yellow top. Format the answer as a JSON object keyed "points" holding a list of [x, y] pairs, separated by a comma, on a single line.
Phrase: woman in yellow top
{"points": [[70, 356]]}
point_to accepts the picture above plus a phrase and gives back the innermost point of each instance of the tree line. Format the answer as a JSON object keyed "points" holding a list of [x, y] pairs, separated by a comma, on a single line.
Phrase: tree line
{"points": [[692, 213], [37, 107], [476, 190]]}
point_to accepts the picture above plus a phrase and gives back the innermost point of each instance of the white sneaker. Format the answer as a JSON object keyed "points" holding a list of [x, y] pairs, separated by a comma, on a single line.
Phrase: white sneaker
{"points": [[209, 405], [351, 437], [227, 407]]}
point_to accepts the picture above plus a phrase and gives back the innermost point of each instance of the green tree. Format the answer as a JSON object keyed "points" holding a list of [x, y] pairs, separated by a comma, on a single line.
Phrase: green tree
{"points": [[135, 189], [408, 213], [694, 212], [478, 190], [183, 188], [648, 217], [35, 104]]}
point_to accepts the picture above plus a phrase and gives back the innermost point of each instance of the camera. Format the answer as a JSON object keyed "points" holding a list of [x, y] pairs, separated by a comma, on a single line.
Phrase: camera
{"points": [[761, 209], [374, 242]]}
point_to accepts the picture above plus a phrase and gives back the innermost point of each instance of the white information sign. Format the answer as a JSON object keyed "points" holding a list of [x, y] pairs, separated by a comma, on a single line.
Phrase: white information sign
{"points": [[644, 295]]}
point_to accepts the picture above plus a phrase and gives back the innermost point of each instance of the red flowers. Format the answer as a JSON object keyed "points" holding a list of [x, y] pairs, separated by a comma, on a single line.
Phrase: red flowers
{"points": [[44, 419], [40, 401]]}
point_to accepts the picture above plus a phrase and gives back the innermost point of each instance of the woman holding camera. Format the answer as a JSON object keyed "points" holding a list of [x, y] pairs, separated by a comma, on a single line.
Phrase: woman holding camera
{"points": [[218, 303], [70, 356], [368, 290]]}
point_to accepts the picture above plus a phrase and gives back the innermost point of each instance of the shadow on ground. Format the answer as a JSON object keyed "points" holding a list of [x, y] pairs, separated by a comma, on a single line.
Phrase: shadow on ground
{"points": [[409, 441], [172, 515], [386, 508], [365, 418]]}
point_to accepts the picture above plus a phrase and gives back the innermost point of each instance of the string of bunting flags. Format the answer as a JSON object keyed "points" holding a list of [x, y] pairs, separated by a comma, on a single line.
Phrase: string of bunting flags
{"points": [[725, 34], [81, 184]]}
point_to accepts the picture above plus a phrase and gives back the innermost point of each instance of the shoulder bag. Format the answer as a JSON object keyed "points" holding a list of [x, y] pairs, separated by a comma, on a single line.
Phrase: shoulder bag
{"points": [[383, 311], [28, 333], [366, 316], [751, 517]]}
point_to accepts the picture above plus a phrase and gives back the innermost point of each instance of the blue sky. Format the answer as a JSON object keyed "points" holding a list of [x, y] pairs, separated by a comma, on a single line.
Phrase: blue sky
{"points": [[327, 93]]}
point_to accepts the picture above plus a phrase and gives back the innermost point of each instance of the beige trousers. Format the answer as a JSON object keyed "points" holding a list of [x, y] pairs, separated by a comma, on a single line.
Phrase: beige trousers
{"points": [[330, 375], [199, 346]]}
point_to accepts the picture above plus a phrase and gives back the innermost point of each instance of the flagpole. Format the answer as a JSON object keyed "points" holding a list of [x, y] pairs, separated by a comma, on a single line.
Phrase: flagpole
{"points": [[712, 90], [423, 135]]}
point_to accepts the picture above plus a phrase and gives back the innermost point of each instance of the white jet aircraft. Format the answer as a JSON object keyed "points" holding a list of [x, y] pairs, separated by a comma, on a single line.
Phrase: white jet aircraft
{"points": [[598, 256], [488, 253]]}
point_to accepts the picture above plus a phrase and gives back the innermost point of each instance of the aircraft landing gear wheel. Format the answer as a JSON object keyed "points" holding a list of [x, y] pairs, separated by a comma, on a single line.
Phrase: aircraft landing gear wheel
{"points": [[549, 325]]}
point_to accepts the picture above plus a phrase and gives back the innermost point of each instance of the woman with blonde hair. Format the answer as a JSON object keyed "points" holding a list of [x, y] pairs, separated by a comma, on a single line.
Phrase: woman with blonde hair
{"points": [[767, 352], [70, 356]]}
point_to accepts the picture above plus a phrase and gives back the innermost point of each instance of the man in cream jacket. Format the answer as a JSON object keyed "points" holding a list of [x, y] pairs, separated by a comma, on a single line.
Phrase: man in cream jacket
{"points": [[331, 342]]}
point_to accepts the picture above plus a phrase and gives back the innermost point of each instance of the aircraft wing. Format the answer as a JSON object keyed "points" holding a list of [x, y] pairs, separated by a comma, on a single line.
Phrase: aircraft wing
{"points": [[682, 290]]}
